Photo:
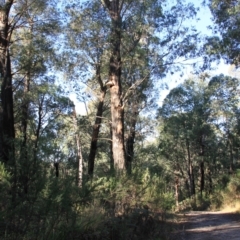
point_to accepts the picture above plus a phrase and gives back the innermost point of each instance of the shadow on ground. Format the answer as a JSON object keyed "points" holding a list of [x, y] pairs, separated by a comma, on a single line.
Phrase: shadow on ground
{"points": [[208, 226]]}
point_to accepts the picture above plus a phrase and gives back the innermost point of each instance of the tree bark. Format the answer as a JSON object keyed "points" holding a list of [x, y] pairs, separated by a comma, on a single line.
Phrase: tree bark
{"points": [[24, 126], [177, 192], [111, 152], [130, 139], [97, 125], [7, 131], [210, 182], [231, 167], [79, 151], [202, 179], [25, 115], [117, 109], [190, 171], [37, 133], [202, 176]]}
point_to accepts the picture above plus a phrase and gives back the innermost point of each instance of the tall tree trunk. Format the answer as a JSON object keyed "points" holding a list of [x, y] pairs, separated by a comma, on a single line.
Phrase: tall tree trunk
{"points": [[7, 132], [37, 133], [190, 171], [26, 90], [130, 139], [97, 124], [210, 182], [24, 126], [24, 117], [79, 151], [114, 82], [95, 134], [202, 177], [26, 168], [177, 192], [231, 157]]}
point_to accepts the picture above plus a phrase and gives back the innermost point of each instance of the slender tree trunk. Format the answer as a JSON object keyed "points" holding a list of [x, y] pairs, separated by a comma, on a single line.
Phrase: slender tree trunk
{"points": [[177, 192], [130, 140], [25, 106], [25, 117], [95, 133], [37, 133], [202, 177], [190, 171], [79, 151], [26, 90], [210, 182], [24, 126], [231, 157]]}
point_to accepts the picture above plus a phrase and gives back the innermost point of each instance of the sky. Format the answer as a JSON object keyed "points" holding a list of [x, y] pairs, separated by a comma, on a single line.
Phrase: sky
{"points": [[204, 16]]}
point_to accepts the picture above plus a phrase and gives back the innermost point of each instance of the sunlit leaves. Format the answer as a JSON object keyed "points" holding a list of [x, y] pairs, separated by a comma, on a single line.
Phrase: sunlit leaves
{"points": [[227, 21]]}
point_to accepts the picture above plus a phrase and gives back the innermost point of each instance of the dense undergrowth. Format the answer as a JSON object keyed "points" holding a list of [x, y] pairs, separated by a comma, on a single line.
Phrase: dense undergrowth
{"points": [[226, 196], [229, 196], [127, 207], [105, 208]]}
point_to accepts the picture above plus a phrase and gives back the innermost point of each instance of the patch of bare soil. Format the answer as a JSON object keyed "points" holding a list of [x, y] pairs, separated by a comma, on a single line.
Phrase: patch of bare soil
{"points": [[209, 226]]}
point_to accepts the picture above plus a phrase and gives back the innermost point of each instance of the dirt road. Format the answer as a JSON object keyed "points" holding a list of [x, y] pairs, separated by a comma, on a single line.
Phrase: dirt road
{"points": [[209, 226]]}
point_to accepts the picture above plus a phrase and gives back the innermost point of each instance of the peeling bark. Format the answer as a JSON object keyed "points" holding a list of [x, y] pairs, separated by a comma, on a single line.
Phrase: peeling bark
{"points": [[117, 109]]}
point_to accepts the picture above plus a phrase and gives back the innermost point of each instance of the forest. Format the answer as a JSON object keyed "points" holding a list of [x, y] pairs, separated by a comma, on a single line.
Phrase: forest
{"points": [[88, 150]]}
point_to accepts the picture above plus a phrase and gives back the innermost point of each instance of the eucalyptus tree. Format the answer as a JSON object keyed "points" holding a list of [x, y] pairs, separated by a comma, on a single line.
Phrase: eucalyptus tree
{"points": [[60, 142], [33, 54], [153, 22], [138, 100], [32, 50], [186, 131], [87, 38], [118, 32], [225, 42], [200, 122], [224, 113]]}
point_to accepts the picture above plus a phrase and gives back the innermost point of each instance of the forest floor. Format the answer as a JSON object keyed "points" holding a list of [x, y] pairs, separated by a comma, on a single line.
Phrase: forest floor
{"points": [[197, 225]]}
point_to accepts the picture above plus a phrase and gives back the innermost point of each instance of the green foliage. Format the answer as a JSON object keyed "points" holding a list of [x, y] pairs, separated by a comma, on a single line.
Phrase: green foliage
{"points": [[216, 200], [198, 124], [105, 208], [47, 214], [227, 193], [4, 176], [5, 189], [226, 24]]}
